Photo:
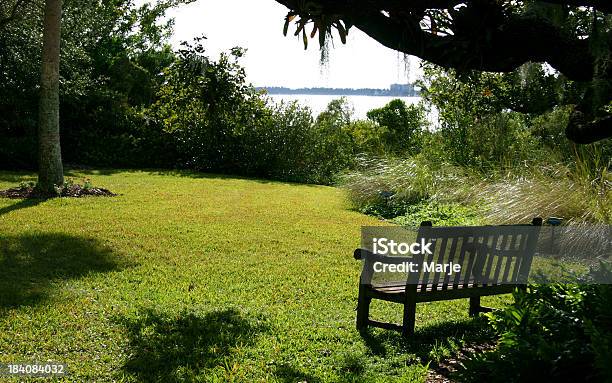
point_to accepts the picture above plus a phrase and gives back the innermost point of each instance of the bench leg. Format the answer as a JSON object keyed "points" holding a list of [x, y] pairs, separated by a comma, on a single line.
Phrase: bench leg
{"points": [[409, 319], [363, 310], [474, 306]]}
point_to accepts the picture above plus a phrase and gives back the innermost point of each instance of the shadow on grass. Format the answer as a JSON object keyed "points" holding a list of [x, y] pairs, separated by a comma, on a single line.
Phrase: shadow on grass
{"points": [[183, 173], [30, 264], [426, 340], [187, 346], [16, 176], [75, 172], [21, 204], [219, 176], [289, 374]]}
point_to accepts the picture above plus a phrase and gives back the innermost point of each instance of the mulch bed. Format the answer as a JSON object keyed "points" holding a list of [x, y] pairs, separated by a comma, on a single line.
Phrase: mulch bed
{"points": [[74, 191], [442, 372]]}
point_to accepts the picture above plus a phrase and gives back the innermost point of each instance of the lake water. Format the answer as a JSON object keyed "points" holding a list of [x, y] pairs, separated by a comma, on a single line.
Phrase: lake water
{"points": [[361, 104]]}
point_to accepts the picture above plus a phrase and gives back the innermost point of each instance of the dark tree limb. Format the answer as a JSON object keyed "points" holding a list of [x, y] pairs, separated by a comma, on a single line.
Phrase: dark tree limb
{"points": [[513, 44], [583, 130], [499, 45]]}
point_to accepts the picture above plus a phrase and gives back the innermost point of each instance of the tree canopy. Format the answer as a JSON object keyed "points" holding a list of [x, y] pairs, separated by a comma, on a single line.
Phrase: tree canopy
{"points": [[572, 36]]}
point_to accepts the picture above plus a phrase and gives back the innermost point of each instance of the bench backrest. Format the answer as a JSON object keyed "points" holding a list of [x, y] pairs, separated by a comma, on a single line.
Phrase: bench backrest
{"points": [[487, 255]]}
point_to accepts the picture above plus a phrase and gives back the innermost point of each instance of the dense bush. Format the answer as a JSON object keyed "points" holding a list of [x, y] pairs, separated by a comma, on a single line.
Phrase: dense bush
{"points": [[368, 137], [483, 119], [219, 123], [439, 214], [552, 332], [204, 105], [112, 54], [288, 145], [128, 100], [393, 129], [402, 126]]}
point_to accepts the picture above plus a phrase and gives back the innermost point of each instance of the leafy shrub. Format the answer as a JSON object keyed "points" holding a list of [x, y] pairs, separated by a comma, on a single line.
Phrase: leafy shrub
{"points": [[204, 105], [440, 214], [403, 125], [288, 145], [219, 123], [549, 128], [492, 120], [338, 113], [368, 137], [552, 332], [272, 146], [493, 142]]}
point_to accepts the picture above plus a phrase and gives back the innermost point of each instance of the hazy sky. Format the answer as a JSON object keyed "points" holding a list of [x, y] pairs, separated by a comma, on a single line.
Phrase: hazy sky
{"points": [[275, 60]]}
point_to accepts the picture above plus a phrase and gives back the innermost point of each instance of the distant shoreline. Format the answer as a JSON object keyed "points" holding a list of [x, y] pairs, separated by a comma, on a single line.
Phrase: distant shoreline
{"points": [[359, 104], [340, 94], [396, 90]]}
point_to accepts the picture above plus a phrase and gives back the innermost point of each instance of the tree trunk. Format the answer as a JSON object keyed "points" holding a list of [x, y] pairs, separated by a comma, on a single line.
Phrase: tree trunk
{"points": [[50, 170]]}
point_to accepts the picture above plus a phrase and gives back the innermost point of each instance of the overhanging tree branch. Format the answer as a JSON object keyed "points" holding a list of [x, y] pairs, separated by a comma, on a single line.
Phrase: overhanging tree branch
{"points": [[500, 44], [482, 35], [583, 130]]}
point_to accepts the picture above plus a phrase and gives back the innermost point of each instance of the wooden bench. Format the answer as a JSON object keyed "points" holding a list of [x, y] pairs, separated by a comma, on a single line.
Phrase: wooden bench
{"points": [[494, 260]]}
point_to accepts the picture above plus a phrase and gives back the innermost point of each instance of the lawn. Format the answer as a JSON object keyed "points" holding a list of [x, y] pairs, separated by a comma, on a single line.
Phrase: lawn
{"points": [[192, 277]]}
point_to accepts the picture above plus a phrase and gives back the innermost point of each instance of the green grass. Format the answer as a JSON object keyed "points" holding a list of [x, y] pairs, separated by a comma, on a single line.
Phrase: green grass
{"points": [[187, 277]]}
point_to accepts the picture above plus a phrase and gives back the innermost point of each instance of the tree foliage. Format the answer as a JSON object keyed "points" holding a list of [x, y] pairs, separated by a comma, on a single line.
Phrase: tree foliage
{"points": [[218, 122], [404, 125], [112, 55], [493, 119], [559, 332], [573, 36], [128, 99]]}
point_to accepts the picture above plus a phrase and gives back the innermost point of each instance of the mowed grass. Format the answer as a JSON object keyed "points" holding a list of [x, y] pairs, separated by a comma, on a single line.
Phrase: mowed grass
{"points": [[188, 277]]}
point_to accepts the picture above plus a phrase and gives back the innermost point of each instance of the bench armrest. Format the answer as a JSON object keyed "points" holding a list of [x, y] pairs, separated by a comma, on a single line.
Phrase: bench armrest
{"points": [[370, 258], [357, 254]]}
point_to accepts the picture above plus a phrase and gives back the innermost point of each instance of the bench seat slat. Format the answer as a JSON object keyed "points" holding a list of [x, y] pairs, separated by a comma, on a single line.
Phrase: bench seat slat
{"points": [[398, 293]]}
